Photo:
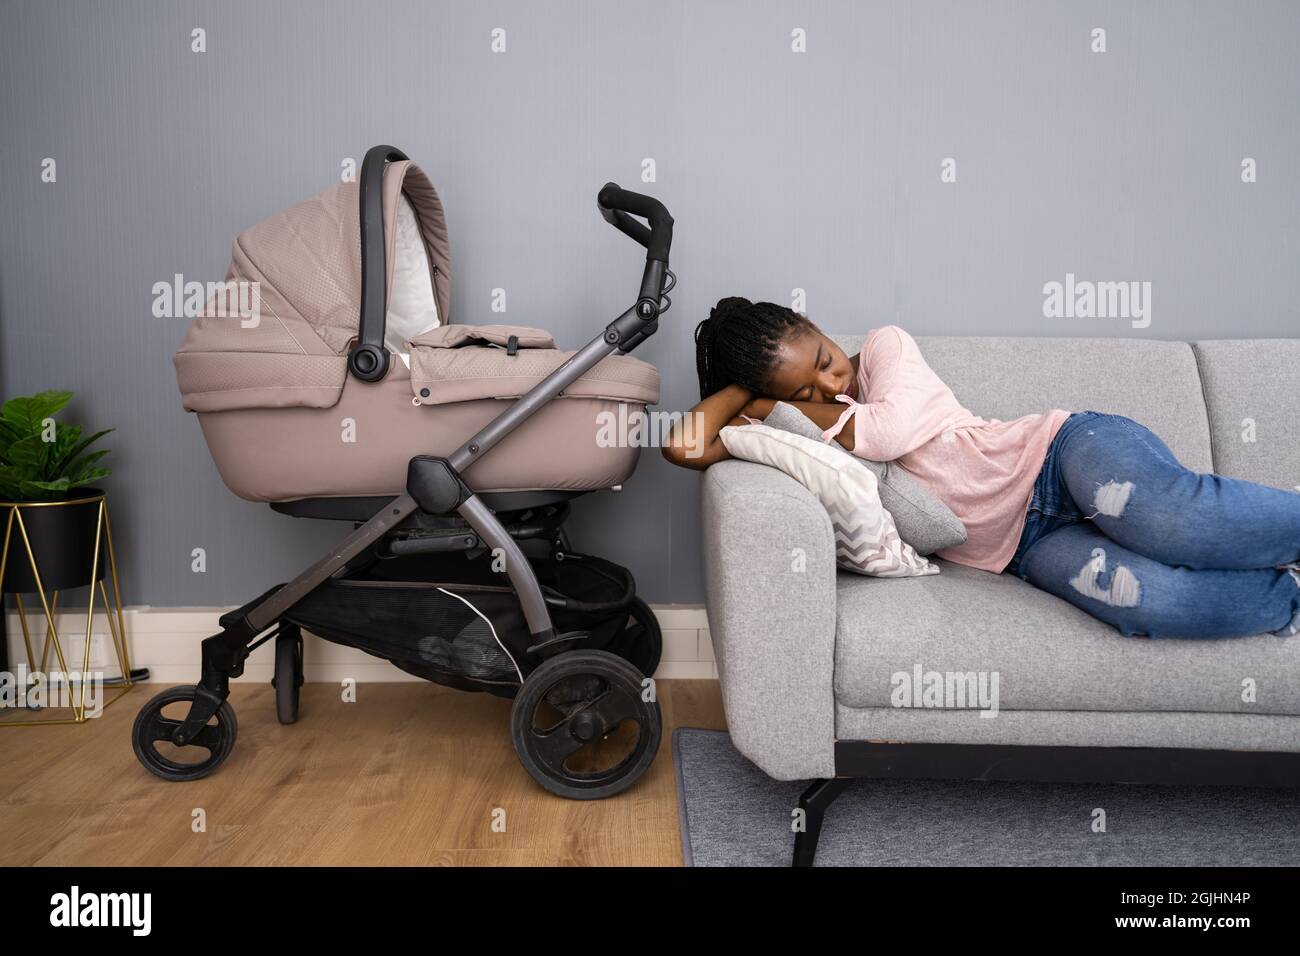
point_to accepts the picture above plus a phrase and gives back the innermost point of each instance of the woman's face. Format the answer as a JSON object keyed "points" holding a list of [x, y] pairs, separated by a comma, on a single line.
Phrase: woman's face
{"points": [[811, 368]]}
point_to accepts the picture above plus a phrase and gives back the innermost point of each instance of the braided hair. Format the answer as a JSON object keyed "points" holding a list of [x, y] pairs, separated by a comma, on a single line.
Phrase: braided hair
{"points": [[737, 344]]}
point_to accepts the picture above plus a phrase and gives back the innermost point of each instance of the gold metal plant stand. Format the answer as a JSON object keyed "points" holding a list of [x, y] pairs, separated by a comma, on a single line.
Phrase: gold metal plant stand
{"points": [[50, 604]]}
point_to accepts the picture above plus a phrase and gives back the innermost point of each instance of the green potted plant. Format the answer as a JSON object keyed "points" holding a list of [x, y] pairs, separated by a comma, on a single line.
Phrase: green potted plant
{"points": [[47, 498]]}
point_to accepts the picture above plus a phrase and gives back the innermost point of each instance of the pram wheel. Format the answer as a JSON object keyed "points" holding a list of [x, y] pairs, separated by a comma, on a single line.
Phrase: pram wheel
{"points": [[153, 727], [288, 674], [581, 727]]}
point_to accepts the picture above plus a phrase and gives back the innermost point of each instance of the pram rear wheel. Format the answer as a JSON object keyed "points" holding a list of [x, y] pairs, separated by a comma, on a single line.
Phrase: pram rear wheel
{"points": [[288, 675], [158, 721], [581, 727]]}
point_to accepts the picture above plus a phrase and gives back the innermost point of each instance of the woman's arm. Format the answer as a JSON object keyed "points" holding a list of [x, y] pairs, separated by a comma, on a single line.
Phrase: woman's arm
{"points": [[822, 414], [906, 402], [693, 441], [903, 407], [903, 404]]}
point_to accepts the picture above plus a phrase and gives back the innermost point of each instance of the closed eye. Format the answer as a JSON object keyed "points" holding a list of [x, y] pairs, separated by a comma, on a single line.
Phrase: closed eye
{"points": [[806, 393]]}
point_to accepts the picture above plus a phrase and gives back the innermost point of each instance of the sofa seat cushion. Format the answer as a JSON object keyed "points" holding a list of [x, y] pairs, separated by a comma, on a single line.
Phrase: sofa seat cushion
{"points": [[1046, 653]]}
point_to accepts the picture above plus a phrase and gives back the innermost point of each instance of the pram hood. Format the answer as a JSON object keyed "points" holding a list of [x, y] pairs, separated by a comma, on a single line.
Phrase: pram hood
{"points": [[306, 266]]}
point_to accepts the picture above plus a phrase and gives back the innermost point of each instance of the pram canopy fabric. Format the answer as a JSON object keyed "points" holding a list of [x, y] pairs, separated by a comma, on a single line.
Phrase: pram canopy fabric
{"points": [[306, 262]]}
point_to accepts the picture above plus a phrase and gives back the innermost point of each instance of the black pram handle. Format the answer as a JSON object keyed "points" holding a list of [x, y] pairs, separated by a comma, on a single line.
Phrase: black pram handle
{"points": [[616, 202], [368, 359]]}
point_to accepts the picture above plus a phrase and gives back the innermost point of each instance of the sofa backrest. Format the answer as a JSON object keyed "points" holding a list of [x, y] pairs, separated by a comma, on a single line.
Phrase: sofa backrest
{"points": [[1151, 381], [1252, 391]]}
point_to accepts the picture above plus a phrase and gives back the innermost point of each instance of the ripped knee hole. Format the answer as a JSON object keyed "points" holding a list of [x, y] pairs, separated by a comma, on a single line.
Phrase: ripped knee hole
{"points": [[1122, 589]]}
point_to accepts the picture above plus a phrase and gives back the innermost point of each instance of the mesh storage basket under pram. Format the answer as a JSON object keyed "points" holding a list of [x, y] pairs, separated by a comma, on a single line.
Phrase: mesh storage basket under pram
{"points": [[445, 618]]}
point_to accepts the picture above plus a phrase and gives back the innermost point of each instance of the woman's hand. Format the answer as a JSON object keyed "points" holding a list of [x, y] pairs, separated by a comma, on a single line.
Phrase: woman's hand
{"points": [[694, 442], [825, 415]]}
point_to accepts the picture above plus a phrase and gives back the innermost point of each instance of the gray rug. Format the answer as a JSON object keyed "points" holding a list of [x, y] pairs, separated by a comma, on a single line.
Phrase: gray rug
{"points": [[733, 814]]}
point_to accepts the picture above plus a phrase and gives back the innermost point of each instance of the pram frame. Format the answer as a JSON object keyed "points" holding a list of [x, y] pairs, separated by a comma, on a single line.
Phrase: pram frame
{"points": [[434, 484]]}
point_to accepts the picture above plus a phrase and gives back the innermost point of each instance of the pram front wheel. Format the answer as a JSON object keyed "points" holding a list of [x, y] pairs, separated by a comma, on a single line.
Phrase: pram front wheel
{"points": [[156, 726], [288, 675], [582, 727]]}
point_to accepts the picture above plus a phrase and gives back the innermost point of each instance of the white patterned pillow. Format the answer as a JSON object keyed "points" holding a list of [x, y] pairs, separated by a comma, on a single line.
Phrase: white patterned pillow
{"points": [[866, 539]]}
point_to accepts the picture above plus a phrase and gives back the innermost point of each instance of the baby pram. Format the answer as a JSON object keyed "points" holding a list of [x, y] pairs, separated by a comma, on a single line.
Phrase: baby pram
{"points": [[454, 449]]}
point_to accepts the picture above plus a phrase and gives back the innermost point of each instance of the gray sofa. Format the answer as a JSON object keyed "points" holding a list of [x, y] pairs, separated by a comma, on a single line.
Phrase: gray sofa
{"points": [[805, 654]]}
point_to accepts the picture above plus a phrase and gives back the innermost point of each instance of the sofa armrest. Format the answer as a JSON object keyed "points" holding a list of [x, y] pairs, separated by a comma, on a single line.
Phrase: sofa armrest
{"points": [[769, 562]]}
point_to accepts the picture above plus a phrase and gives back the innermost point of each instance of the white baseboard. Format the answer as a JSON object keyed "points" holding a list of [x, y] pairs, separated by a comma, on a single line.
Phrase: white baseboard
{"points": [[166, 640]]}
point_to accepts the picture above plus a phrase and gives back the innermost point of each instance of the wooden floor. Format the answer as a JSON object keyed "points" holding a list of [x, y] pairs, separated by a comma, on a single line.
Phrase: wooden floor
{"points": [[410, 774]]}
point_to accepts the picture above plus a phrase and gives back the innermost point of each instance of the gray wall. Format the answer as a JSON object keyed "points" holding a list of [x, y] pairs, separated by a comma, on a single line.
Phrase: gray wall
{"points": [[817, 170]]}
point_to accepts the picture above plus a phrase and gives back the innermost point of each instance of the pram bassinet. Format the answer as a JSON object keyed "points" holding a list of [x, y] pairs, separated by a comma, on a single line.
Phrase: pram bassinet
{"points": [[284, 419]]}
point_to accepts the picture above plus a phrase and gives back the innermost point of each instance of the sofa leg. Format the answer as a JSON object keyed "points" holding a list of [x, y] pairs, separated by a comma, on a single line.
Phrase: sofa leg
{"points": [[813, 803]]}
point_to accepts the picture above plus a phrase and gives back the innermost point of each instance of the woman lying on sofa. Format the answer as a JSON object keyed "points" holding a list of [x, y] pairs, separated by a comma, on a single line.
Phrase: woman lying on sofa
{"points": [[1089, 506]]}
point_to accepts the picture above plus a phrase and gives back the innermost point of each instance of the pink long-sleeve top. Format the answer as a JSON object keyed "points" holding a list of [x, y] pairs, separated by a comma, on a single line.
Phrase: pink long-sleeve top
{"points": [[983, 470]]}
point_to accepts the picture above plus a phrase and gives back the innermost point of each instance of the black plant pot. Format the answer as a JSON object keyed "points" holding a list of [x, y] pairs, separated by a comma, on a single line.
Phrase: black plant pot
{"points": [[62, 535]]}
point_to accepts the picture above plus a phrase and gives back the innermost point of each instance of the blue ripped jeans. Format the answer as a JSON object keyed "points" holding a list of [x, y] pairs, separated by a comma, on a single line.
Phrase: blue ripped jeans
{"points": [[1118, 527]]}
